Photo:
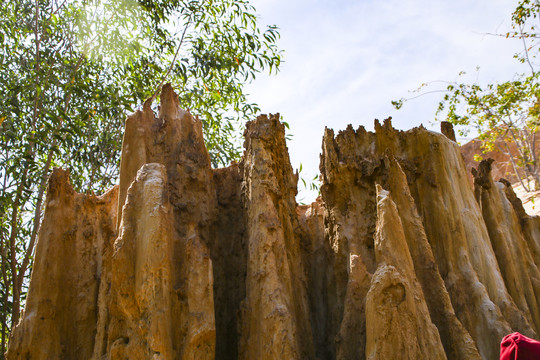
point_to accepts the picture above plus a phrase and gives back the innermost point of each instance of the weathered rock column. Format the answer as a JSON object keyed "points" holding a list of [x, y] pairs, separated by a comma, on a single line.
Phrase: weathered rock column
{"points": [[457, 342], [350, 218], [397, 318], [275, 318], [351, 164], [174, 139], [60, 316], [141, 287], [522, 277]]}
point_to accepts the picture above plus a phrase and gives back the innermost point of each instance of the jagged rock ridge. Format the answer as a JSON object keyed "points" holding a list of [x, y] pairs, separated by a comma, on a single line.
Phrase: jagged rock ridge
{"points": [[401, 258]]}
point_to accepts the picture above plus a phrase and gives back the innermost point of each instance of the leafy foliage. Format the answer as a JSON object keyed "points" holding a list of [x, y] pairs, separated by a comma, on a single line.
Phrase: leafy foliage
{"points": [[506, 114], [70, 71]]}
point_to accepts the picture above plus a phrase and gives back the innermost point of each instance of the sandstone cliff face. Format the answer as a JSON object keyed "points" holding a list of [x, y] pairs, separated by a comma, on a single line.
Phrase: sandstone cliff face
{"points": [[275, 321], [400, 258]]}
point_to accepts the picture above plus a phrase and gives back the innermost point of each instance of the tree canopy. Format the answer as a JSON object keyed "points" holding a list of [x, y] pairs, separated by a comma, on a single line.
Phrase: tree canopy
{"points": [[70, 72]]}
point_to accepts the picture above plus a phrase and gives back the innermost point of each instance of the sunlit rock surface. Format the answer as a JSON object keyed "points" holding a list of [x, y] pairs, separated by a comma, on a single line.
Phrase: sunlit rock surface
{"points": [[400, 258]]}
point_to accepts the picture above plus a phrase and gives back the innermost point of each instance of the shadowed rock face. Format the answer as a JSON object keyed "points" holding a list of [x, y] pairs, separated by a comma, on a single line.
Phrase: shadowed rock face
{"points": [[399, 259]]}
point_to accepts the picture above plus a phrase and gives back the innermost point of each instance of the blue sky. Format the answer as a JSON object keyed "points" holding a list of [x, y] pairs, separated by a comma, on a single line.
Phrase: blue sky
{"points": [[346, 60]]}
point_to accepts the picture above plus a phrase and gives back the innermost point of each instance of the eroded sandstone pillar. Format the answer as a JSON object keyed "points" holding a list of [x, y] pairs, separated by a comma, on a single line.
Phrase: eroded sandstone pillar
{"points": [[397, 318], [275, 315], [174, 139], [507, 238], [456, 340], [142, 281], [60, 316]]}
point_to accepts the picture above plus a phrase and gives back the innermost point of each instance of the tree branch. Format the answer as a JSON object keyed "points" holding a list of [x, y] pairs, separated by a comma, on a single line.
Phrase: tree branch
{"points": [[13, 248], [526, 50], [515, 169], [172, 62]]}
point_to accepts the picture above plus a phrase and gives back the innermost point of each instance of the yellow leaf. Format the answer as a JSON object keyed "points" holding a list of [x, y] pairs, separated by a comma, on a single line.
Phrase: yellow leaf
{"points": [[2, 119]]}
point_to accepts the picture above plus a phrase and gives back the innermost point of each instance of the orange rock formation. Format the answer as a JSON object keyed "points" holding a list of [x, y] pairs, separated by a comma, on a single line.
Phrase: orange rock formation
{"points": [[400, 259]]}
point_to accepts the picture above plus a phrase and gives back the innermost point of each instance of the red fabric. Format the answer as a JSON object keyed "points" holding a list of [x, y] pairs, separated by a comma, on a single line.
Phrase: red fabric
{"points": [[518, 347]]}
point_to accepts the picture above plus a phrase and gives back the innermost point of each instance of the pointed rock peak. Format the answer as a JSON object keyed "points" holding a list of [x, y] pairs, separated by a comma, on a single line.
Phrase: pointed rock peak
{"points": [[447, 129], [275, 117], [388, 123], [59, 182], [265, 127], [170, 104], [59, 176], [485, 166], [266, 118], [171, 114], [147, 105], [361, 130], [260, 119], [328, 133], [348, 135], [516, 202], [482, 175]]}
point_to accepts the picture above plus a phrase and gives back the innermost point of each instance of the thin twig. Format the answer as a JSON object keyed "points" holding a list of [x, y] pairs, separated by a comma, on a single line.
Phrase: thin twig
{"points": [[515, 168], [38, 43], [13, 248], [526, 50], [533, 36], [424, 93]]}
